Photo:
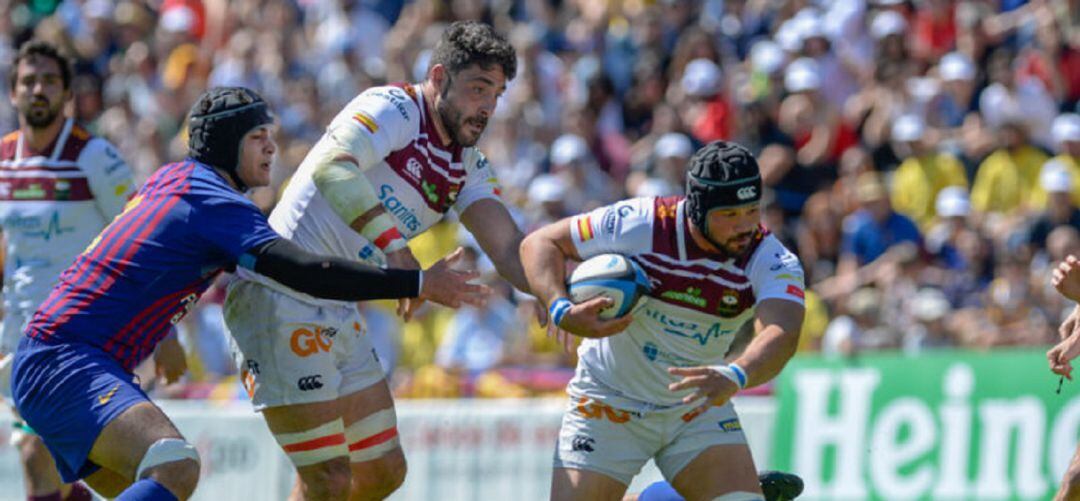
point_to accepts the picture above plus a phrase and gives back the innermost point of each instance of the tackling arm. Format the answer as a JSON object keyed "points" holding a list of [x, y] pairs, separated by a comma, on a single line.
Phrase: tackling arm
{"points": [[342, 279]]}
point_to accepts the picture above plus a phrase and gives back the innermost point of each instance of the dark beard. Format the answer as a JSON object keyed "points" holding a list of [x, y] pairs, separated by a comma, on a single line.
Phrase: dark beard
{"points": [[454, 121], [38, 120], [450, 118], [728, 250]]}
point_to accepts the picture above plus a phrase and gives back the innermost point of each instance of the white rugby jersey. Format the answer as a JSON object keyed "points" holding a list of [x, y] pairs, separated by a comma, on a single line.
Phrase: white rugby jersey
{"points": [[418, 178], [696, 306], [52, 204]]}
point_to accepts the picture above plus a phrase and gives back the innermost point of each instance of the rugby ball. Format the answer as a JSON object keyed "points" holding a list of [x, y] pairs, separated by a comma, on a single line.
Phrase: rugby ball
{"points": [[611, 275]]}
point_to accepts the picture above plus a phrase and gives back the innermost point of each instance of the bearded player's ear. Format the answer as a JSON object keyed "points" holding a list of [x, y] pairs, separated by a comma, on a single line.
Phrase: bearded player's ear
{"points": [[440, 76]]}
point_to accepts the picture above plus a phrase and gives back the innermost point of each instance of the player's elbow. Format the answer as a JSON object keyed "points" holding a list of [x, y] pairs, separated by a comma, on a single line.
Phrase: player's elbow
{"points": [[789, 337], [529, 246]]}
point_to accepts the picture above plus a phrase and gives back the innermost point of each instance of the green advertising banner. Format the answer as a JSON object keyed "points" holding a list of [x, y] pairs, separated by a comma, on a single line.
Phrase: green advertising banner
{"points": [[947, 425]]}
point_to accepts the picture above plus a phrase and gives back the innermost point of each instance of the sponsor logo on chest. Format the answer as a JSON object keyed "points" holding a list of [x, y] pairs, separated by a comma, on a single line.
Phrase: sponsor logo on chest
{"points": [[677, 325], [435, 175], [712, 292]]}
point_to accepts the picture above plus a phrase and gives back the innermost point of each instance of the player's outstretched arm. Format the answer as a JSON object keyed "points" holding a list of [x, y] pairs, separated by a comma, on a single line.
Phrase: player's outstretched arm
{"points": [[543, 256], [341, 279], [499, 237], [776, 337]]}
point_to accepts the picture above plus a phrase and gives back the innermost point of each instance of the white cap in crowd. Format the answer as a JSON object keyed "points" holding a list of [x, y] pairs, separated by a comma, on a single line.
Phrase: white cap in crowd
{"points": [[547, 188], [1055, 177], [930, 304], [887, 23], [1066, 128], [788, 36], [956, 66], [569, 148], [953, 201], [802, 75], [767, 57], [701, 78], [808, 24], [910, 127], [673, 145]]}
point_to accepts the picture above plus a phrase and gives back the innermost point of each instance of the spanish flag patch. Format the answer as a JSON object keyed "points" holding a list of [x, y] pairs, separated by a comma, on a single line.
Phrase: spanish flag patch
{"points": [[366, 120], [585, 228]]}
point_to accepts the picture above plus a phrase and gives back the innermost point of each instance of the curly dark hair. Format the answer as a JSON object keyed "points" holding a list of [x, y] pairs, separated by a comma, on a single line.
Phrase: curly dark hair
{"points": [[41, 48], [465, 43]]}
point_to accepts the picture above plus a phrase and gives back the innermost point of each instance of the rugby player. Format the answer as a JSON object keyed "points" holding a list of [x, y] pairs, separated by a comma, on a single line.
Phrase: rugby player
{"points": [[72, 379], [390, 165], [654, 384], [59, 186]]}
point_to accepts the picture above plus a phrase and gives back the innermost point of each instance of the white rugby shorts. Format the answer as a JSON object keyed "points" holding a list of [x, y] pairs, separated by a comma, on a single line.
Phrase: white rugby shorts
{"points": [[596, 437], [293, 352]]}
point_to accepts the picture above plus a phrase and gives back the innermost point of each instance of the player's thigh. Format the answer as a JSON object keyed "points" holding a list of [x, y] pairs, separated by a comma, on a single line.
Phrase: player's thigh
{"points": [[716, 471], [376, 459], [569, 484], [297, 418], [123, 442], [708, 455], [600, 449], [288, 351], [370, 421], [85, 407], [313, 437], [107, 483]]}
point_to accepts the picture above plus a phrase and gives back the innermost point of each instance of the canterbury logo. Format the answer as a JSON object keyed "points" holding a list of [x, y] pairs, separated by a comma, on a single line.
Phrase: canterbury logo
{"points": [[309, 383], [583, 444], [104, 399], [746, 192]]}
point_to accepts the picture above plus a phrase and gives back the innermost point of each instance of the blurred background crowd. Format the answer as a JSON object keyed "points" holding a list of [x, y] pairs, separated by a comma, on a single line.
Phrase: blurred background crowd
{"points": [[923, 156]]}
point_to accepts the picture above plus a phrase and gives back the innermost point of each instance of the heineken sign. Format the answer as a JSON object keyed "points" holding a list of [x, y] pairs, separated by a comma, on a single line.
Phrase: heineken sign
{"points": [[947, 425]]}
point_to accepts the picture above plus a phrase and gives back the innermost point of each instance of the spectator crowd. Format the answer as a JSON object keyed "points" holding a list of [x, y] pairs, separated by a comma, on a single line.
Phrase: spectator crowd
{"points": [[922, 156]]}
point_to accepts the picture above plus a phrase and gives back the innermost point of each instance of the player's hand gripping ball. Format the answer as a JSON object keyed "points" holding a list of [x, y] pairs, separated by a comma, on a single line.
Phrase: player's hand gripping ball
{"points": [[614, 276]]}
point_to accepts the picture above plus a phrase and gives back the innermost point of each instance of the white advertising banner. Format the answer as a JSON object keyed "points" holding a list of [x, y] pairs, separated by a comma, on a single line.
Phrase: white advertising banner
{"points": [[456, 449]]}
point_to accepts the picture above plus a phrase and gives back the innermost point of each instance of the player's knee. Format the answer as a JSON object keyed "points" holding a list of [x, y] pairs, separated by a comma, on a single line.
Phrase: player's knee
{"points": [[327, 480], [179, 477], [174, 463]]}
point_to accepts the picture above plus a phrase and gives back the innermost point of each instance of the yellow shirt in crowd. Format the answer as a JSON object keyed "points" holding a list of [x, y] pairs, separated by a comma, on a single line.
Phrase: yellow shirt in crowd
{"points": [[917, 182], [1073, 165], [1007, 180]]}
